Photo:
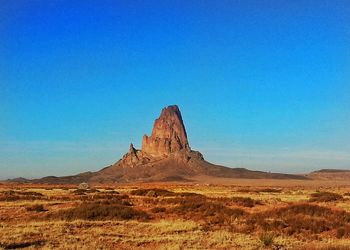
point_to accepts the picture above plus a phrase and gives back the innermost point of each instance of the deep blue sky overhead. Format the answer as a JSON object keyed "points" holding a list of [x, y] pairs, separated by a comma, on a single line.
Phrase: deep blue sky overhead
{"points": [[261, 84]]}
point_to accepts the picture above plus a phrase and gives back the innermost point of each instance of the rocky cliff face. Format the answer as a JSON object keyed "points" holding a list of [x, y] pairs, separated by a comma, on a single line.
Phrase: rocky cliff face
{"points": [[165, 155], [168, 134], [168, 138]]}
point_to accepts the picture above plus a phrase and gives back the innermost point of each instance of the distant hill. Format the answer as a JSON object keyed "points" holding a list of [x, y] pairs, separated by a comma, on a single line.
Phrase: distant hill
{"points": [[330, 174], [165, 156], [332, 171]]}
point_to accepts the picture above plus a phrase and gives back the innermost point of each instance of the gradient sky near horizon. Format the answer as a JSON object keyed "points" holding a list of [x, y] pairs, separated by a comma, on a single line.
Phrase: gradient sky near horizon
{"points": [[261, 84]]}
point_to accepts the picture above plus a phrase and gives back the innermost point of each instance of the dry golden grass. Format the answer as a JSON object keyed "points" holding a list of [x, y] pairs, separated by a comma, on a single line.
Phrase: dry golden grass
{"points": [[176, 216]]}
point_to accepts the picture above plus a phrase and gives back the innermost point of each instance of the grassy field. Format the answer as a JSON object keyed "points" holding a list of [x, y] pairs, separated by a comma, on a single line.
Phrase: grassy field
{"points": [[252, 214]]}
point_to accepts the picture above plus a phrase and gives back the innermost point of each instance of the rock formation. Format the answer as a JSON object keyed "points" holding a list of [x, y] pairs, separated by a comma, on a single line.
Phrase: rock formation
{"points": [[165, 156], [168, 139], [132, 157], [168, 134]]}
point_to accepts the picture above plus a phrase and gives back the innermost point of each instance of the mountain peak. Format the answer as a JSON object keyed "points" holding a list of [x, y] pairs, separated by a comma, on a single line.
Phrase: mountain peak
{"points": [[168, 134]]}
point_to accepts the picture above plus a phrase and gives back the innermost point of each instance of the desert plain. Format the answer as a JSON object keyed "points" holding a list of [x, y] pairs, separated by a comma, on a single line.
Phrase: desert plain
{"points": [[231, 214]]}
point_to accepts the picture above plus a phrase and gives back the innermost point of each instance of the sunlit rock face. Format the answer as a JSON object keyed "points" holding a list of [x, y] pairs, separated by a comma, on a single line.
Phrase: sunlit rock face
{"points": [[168, 134], [168, 138]]}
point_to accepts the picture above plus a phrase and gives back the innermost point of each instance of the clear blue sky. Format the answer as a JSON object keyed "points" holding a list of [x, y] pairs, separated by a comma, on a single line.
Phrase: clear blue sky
{"points": [[261, 84]]}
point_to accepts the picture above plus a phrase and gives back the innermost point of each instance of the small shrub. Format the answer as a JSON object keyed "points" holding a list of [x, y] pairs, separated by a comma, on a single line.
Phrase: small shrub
{"points": [[343, 231], [267, 238], [140, 192], [158, 210], [178, 200], [112, 192], [36, 208], [340, 232], [244, 190], [300, 218], [155, 192], [12, 195], [23, 244], [239, 201], [79, 192], [189, 194], [270, 190], [108, 199], [210, 212], [92, 211], [325, 197], [93, 190], [31, 193], [84, 191]]}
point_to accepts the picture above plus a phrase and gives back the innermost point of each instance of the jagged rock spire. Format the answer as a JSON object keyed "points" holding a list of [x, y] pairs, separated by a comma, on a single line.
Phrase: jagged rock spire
{"points": [[132, 150], [168, 134]]}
